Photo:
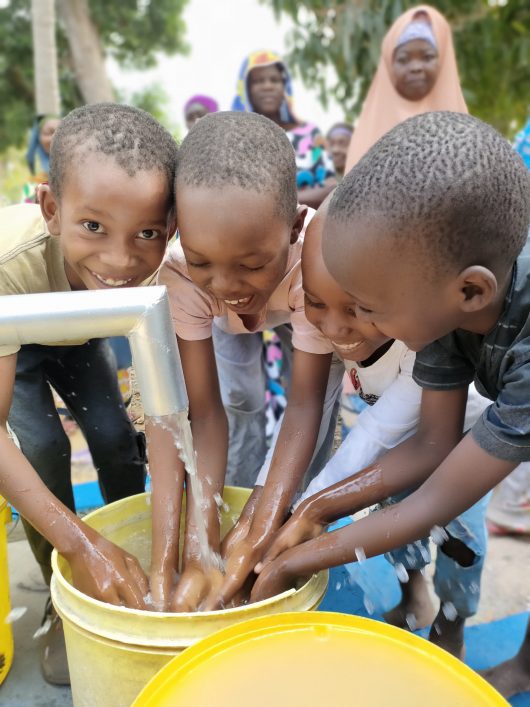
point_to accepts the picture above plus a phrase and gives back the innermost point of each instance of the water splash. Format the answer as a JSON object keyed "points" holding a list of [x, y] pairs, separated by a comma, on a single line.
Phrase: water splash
{"points": [[178, 425]]}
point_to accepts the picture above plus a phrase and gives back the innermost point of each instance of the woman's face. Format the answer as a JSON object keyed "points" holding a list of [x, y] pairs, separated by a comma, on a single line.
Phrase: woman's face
{"points": [[266, 89], [195, 112], [415, 68], [47, 132]]}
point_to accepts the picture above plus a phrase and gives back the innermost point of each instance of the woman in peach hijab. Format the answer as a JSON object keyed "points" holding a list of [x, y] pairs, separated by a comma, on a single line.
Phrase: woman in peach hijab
{"points": [[417, 73]]}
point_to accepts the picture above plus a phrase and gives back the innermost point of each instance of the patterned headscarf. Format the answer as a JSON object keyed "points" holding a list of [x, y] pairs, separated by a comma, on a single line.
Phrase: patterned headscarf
{"points": [[264, 57]]}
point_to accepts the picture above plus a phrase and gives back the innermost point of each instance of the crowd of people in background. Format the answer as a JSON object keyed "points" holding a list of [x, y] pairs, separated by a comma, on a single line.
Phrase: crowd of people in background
{"points": [[417, 74]]}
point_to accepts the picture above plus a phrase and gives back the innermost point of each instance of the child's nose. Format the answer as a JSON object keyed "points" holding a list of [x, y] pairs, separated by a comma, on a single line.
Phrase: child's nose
{"points": [[117, 256]]}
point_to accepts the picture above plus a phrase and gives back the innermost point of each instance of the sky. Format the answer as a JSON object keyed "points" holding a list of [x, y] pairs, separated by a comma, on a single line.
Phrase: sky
{"points": [[220, 33]]}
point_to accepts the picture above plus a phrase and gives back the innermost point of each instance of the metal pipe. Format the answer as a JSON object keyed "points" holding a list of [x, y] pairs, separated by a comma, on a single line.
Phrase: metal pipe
{"points": [[140, 313]]}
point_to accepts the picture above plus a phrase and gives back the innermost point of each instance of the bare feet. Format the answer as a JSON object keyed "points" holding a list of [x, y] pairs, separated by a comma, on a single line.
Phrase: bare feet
{"points": [[415, 609], [512, 676], [448, 633]]}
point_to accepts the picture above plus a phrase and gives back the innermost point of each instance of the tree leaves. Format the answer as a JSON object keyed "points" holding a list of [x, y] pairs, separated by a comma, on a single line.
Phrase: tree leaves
{"points": [[492, 42]]}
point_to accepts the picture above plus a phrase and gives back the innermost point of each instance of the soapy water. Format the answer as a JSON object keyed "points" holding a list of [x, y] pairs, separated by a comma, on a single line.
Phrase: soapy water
{"points": [[179, 426]]}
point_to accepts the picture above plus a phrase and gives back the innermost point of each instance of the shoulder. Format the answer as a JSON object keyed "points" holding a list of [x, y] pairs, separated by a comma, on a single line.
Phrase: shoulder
{"points": [[22, 227]]}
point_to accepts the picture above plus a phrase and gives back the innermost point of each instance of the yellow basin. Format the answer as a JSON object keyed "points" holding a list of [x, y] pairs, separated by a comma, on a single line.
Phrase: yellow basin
{"points": [[114, 651]]}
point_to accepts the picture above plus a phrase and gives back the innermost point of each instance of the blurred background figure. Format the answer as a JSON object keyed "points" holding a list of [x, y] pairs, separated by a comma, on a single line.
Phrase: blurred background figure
{"points": [[338, 140], [38, 154], [417, 73], [197, 107], [264, 86]]}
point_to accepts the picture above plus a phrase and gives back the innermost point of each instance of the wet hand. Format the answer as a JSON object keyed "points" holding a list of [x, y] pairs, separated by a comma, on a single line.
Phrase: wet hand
{"points": [[196, 585], [274, 578], [299, 528], [161, 585], [238, 567], [106, 572]]}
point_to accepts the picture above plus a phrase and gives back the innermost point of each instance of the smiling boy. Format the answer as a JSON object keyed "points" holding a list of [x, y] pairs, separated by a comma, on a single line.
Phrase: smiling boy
{"points": [[104, 221]]}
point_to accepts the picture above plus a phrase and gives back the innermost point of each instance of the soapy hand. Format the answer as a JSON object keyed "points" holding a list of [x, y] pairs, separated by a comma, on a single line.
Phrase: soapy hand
{"points": [[161, 586], [106, 572], [196, 586], [299, 528], [241, 528], [239, 566], [274, 578]]}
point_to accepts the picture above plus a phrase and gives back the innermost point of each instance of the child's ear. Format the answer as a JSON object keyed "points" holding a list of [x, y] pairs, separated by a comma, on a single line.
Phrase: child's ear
{"points": [[298, 225], [49, 207], [477, 288]]}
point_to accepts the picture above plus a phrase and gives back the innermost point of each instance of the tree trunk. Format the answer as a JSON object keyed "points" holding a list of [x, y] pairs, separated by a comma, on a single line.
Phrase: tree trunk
{"points": [[87, 54], [47, 97]]}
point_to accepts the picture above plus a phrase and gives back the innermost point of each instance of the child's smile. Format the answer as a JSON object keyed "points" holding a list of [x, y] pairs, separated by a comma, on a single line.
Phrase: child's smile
{"points": [[113, 227]]}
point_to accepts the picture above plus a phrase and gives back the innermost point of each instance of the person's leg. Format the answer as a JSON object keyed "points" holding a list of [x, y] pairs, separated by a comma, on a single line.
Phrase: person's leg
{"points": [[239, 359], [459, 564], [512, 676], [326, 433], [415, 610], [86, 378], [34, 420]]}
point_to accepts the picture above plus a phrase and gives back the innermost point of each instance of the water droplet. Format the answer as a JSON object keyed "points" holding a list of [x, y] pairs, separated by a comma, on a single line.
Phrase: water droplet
{"points": [[360, 554], [449, 610]]}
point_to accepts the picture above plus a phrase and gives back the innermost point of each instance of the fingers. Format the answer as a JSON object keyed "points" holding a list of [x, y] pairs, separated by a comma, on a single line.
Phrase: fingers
{"points": [[191, 591]]}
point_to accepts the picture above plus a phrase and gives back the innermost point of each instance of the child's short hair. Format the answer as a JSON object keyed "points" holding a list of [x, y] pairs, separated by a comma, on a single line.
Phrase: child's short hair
{"points": [[245, 150], [449, 184], [132, 137]]}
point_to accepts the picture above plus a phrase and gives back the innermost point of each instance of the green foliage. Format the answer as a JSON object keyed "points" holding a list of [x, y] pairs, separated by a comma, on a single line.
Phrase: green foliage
{"points": [[132, 31], [492, 42]]}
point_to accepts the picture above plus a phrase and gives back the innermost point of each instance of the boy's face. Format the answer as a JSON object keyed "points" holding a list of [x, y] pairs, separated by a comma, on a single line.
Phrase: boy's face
{"points": [[390, 288], [113, 227], [338, 143], [236, 245], [329, 308]]}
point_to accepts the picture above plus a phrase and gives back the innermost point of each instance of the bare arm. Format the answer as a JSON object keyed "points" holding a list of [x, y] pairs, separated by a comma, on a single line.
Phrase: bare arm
{"points": [[210, 437], [99, 567], [292, 455], [404, 467], [464, 477]]}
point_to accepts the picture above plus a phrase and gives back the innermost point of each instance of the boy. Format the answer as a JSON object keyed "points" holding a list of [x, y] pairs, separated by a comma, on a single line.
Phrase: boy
{"points": [[338, 141], [103, 222], [381, 372], [237, 265], [428, 234]]}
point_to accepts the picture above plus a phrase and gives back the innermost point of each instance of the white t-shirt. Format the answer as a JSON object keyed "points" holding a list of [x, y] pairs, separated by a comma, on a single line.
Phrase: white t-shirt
{"points": [[392, 416]]}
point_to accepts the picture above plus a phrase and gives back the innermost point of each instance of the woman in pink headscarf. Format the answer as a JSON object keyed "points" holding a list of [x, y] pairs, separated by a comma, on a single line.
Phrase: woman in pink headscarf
{"points": [[417, 73]]}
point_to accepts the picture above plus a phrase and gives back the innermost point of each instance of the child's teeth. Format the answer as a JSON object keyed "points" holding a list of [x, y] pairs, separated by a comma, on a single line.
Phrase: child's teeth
{"points": [[237, 301]]}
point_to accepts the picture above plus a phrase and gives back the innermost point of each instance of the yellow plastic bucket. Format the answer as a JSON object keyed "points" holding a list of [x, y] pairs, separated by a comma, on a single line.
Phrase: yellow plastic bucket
{"points": [[316, 660], [6, 632], [114, 651]]}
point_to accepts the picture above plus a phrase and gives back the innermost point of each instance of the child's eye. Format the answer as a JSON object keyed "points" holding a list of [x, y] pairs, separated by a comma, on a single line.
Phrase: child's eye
{"points": [[149, 234], [315, 305], [93, 226], [195, 265], [247, 267], [364, 309]]}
